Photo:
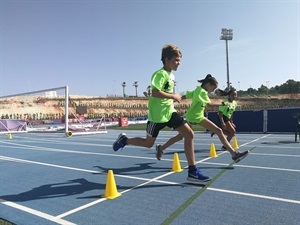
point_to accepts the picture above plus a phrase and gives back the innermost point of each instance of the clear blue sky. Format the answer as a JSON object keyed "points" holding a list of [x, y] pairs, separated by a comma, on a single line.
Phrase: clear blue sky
{"points": [[93, 45]]}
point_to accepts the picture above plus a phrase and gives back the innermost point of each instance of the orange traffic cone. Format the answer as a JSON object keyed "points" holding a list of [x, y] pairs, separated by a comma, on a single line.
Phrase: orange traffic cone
{"points": [[111, 191]]}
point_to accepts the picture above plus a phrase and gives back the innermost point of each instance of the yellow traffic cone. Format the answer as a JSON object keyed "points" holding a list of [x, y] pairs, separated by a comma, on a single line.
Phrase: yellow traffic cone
{"points": [[111, 191], [176, 167], [9, 136], [212, 152], [235, 144]]}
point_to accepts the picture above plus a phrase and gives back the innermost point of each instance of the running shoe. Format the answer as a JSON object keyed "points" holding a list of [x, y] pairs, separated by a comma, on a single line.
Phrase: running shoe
{"points": [[159, 152], [120, 142], [238, 156], [197, 176]]}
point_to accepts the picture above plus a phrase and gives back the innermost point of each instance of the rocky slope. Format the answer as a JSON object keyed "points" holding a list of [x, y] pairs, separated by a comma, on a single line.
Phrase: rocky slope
{"points": [[53, 108]]}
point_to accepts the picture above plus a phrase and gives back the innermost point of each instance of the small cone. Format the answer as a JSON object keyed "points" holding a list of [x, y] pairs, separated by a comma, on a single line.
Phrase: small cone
{"points": [[111, 191], [176, 163], [9, 136], [212, 152], [235, 143]]}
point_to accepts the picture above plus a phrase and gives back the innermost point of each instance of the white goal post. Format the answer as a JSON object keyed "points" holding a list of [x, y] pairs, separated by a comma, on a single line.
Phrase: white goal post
{"points": [[47, 110]]}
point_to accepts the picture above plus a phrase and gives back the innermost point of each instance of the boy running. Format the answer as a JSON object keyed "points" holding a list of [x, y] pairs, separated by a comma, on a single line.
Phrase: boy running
{"points": [[161, 113]]}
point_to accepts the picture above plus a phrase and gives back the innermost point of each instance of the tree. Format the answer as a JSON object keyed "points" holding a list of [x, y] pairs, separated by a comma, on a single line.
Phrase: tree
{"points": [[290, 86], [263, 89]]}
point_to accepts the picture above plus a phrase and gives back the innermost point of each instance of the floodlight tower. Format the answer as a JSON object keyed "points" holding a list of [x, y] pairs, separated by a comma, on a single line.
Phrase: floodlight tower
{"points": [[124, 85], [175, 84], [135, 84], [227, 35]]}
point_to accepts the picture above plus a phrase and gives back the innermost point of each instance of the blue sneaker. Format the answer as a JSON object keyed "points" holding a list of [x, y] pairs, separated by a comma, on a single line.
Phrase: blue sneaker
{"points": [[197, 177], [120, 142]]}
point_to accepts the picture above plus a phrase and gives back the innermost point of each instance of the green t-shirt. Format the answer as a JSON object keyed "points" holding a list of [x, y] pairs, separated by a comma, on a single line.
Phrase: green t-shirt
{"points": [[160, 109], [228, 110], [195, 114]]}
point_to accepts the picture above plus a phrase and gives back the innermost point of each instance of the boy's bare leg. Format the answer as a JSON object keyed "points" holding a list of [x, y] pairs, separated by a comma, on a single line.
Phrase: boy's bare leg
{"points": [[171, 141], [147, 142], [188, 134]]}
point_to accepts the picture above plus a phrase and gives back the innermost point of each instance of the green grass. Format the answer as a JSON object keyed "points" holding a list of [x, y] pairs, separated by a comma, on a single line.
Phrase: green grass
{"points": [[143, 127]]}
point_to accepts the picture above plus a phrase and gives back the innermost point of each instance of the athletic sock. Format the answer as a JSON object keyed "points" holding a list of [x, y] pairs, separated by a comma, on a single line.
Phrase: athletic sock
{"points": [[192, 168]]}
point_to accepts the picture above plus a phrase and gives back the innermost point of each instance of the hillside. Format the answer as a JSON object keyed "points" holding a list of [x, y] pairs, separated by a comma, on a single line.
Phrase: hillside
{"points": [[53, 108]]}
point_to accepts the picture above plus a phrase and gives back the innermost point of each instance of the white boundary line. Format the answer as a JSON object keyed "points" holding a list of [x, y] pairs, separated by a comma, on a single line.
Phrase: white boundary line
{"points": [[36, 212], [255, 195], [156, 179], [58, 218], [254, 167]]}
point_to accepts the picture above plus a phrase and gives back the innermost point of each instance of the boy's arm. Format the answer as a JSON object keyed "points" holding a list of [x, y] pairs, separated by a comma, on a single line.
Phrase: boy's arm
{"points": [[160, 94], [216, 103]]}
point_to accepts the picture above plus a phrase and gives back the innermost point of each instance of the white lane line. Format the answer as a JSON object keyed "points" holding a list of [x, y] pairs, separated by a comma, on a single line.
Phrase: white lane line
{"points": [[36, 213], [257, 139], [69, 168], [155, 179], [255, 195], [46, 164], [35, 148], [130, 189], [148, 181], [253, 167], [80, 208], [280, 155]]}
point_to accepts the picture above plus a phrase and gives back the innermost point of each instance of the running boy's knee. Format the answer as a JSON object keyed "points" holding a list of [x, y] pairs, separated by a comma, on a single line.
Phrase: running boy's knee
{"points": [[231, 132], [189, 134], [219, 131], [149, 144]]}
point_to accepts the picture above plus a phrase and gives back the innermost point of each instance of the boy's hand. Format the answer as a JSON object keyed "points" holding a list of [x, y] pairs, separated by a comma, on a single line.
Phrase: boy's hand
{"points": [[177, 97], [225, 103]]}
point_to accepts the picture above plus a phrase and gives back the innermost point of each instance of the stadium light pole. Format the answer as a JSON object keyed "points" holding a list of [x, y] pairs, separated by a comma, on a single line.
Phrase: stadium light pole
{"points": [[227, 35], [175, 84], [124, 85], [135, 84], [267, 82]]}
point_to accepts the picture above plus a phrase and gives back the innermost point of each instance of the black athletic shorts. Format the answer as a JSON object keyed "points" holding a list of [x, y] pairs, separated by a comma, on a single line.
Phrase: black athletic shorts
{"points": [[176, 121], [225, 118]]}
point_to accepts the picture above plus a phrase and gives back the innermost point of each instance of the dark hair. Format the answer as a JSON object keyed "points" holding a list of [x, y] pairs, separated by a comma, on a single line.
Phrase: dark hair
{"points": [[169, 51], [208, 79], [225, 93]]}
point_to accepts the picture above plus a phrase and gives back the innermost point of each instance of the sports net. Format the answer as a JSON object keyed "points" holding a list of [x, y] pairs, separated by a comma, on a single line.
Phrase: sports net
{"points": [[48, 110]]}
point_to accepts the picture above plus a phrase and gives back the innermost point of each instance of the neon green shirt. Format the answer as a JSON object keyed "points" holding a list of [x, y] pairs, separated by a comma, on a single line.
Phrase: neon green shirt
{"points": [[200, 99], [160, 109], [229, 109]]}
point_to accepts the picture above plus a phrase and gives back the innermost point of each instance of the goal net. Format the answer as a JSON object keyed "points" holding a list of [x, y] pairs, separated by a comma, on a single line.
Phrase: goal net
{"points": [[48, 110]]}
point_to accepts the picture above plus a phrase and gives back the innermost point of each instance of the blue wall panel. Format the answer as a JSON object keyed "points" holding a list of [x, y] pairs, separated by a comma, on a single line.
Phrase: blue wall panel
{"points": [[282, 120], [278, 120]]}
